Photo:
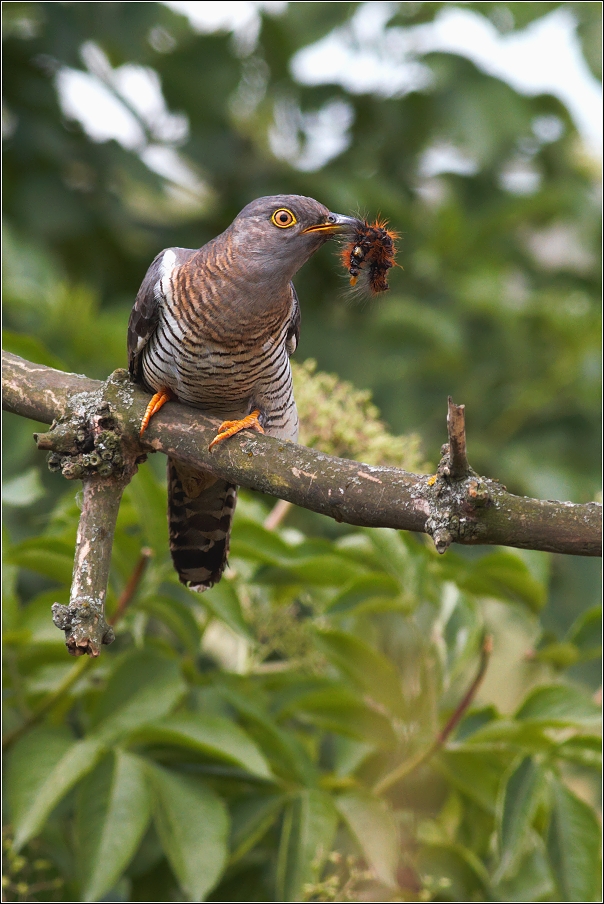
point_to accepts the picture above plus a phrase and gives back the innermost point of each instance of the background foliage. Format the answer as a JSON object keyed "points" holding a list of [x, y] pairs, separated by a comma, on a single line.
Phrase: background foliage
{"points": [[228, 746]]}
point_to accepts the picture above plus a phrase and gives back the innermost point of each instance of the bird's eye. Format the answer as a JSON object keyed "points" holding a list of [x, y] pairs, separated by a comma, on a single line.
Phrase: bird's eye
{"points": [[283, 218]]}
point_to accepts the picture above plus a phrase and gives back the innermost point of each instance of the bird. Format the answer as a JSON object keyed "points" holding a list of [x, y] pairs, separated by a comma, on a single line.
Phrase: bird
{"points": [[214, 328]]}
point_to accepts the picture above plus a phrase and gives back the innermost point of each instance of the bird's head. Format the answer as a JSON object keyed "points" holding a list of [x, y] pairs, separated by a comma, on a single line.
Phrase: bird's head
{"points": [[280, 232]]}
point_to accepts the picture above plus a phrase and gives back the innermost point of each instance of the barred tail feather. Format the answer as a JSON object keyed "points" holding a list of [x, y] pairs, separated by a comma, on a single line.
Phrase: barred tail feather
{"points": [[200, 514]]}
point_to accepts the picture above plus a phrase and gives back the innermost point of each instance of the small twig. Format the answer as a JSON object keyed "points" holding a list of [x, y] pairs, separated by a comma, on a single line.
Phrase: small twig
{"points": [[456, 426], [132, 585], [408, 766], [79, 667], [485, 654], [277, 514]]}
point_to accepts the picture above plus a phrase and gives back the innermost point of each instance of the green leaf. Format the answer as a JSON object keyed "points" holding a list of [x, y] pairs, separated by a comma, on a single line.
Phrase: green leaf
{"points": [[574, 845], [533, 880], [76, 762], [113, 813], [586, 632], [373, 825], [308, 830], [29, 763], [30, 348], [148, 496], [193, 826], [144, 687], [24, 489], [367, 587], [559, 704], [286, 755], [505, 576], [340, 710], [585, 750], [45, 555], [223, 603], [451, 872], [252, 541], [477, 773], [177, 616], [316, 571], [209, 735], [395, 557], [251, 817], [517, 808], [366, 667]]}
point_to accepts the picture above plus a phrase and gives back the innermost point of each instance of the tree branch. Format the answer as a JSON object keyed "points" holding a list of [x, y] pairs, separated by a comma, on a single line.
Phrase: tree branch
{"points": [[468, 510]]}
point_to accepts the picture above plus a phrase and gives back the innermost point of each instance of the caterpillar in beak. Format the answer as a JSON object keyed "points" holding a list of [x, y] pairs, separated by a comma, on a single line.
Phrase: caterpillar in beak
{"points": [[370, 254]]}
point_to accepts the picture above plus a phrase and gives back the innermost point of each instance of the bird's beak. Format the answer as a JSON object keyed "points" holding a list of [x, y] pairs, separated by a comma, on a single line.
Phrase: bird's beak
{"points": [[334, 224]]}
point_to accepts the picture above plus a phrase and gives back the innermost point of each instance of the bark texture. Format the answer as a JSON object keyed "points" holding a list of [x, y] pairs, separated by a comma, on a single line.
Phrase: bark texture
{"points": [[455, 505]]}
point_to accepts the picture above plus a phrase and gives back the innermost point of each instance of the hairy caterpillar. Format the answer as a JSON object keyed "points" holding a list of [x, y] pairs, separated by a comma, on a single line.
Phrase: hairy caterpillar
{"points": [[370, 254]]}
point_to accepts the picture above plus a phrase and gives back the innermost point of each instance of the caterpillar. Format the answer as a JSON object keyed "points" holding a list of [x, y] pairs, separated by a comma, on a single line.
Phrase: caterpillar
{"points": [[371, 253]]}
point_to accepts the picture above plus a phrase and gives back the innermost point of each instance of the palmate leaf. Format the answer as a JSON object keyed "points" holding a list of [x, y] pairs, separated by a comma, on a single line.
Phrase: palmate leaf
{"points": [[505, 576], [208, 735], [362, 590], [251, 817], [366, 667], [517, 807], [533, 879], [287, 756], [223, 603], [145, 686], [52, 785], [49, 556], [559, 705], [373, 825], [574, 846], [112, 814], [308, 829], [476, 773], [28, 765], [193, 825]]}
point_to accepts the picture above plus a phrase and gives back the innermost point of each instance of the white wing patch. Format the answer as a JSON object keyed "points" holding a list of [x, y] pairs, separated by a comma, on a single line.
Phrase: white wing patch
{"points": [[165, 268]]}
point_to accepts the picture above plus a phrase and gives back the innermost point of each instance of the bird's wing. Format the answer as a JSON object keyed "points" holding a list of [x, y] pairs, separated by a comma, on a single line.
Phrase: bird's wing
{"points": [[293, 333], [144, 316]]}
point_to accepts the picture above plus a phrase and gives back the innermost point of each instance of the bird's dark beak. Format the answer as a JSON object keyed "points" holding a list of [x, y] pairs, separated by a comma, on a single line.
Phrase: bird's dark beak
{"points": [[334, 224]]}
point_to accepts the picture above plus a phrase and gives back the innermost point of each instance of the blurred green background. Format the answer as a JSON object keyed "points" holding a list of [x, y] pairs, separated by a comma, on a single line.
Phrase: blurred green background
{"points": [[126, 130]]}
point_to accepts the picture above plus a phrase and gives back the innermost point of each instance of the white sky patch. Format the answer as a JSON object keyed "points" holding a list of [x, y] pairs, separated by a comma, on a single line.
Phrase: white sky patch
{"points": [[102, 115], [363, 56], [241, 18], [309, 140], [545, 57], [126, 104], [446, 158]]}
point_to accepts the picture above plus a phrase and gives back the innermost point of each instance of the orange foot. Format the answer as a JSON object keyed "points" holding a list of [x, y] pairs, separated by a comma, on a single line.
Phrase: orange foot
{"points": [[159, 399], [230, 428]]}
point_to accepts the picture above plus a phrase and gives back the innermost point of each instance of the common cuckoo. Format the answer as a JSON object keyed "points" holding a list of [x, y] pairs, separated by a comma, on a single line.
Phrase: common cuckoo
{"points": [[214, 328]]}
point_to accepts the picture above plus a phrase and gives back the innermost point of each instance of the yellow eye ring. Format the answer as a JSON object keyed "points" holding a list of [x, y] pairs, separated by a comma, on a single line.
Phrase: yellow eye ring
{"points": [[283, 218]]}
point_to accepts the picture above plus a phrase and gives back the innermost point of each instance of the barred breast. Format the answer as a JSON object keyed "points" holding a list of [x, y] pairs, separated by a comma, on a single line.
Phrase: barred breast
{"points": [[213, 348]]}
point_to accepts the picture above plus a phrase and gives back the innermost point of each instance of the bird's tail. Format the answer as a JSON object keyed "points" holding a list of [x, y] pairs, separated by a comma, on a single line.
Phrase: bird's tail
{"points": [[200, 514]]}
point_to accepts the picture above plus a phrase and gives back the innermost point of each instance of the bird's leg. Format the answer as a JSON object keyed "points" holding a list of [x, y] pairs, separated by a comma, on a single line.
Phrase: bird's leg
{"points": [[159, 399], [230, 428]]}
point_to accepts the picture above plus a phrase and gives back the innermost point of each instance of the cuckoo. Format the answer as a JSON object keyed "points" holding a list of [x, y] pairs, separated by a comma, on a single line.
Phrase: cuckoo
{"points": [[214, 328]]}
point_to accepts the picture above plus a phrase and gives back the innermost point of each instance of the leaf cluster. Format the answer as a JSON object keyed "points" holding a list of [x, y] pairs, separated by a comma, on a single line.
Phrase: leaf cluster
{"points": [[229, 745]]}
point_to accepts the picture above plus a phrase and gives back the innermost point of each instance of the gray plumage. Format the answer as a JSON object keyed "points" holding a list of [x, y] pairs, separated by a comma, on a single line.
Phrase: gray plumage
{"points": [[216, 326]]}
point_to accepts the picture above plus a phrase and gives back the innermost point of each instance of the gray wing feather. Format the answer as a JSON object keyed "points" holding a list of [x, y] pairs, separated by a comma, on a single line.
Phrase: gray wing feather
{"points": [[145, 314]]}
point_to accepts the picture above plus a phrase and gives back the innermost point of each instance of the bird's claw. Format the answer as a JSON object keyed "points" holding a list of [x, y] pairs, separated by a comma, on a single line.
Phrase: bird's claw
{"points": [[230, 428]]}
